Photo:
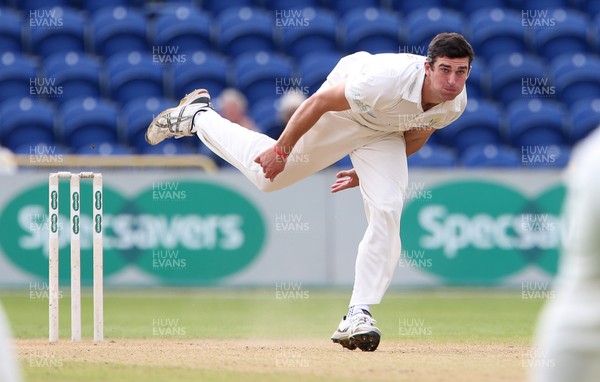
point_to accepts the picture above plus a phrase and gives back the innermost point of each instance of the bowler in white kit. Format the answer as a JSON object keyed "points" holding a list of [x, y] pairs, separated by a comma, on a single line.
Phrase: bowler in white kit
{"points": [[567, 341], [379, 109]]}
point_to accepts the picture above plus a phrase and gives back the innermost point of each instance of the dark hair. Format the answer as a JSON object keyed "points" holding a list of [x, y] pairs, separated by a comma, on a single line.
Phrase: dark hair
{"points": [[451, 45]]}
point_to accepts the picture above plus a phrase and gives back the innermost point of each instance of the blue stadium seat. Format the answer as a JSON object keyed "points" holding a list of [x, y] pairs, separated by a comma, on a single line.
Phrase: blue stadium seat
{"points": [[431, 155], [133, 75], [168, 147], [70, 36], [77, 74], [318, 35], [576, 77], [406, 7], [183, 28], [92, 6], [262, 76], [585, 117], [569, 34], [11, 37], [88, 121], [550, 157], [40, 149], [265, 115], [315, 67], [536, 122], [136, 117], [216, 7], [341, 7], [539, 5], [596, 27], [423, 24], [588, 7], [372, 30], [514, 76], [16, 73], [27, 5], [490, 155], [104, 149], [117, 30], [468, 7], [243, 30], [475, 82], [201, 70], [497, 31], [26, 121], [280, 5], [479, 124]]}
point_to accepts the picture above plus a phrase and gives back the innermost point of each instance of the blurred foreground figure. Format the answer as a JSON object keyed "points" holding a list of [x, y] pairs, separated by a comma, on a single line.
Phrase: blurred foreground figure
{"points": [[567, 344], [9, 368]]}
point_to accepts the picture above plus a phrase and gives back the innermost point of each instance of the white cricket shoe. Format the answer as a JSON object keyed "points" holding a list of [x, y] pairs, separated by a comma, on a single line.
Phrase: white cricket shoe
{"points": [[178, 121], [358, 330]]}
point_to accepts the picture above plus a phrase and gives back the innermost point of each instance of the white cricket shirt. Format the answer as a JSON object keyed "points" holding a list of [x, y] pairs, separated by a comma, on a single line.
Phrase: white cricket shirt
{"points": [[384, 92]]}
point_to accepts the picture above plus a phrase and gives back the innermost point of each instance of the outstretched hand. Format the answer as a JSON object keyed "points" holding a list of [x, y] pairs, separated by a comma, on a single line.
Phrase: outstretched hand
{"points": [[271, 163], [345, 179]]}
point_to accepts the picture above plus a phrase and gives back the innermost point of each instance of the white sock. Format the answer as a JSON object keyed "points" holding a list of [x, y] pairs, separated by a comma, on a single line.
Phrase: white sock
{"points": [[357, 309]]}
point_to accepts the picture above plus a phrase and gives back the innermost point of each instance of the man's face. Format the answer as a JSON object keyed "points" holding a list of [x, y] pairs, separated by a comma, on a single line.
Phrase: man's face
{"points": [[447, 76]]}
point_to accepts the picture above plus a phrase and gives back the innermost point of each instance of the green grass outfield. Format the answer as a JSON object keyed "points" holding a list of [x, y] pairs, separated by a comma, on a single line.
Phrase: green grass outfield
{"points": [[436, 316]]}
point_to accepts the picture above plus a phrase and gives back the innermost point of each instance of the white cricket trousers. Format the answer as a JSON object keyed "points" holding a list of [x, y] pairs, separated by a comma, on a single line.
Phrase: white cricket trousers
{"points": [[379, 158]]}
